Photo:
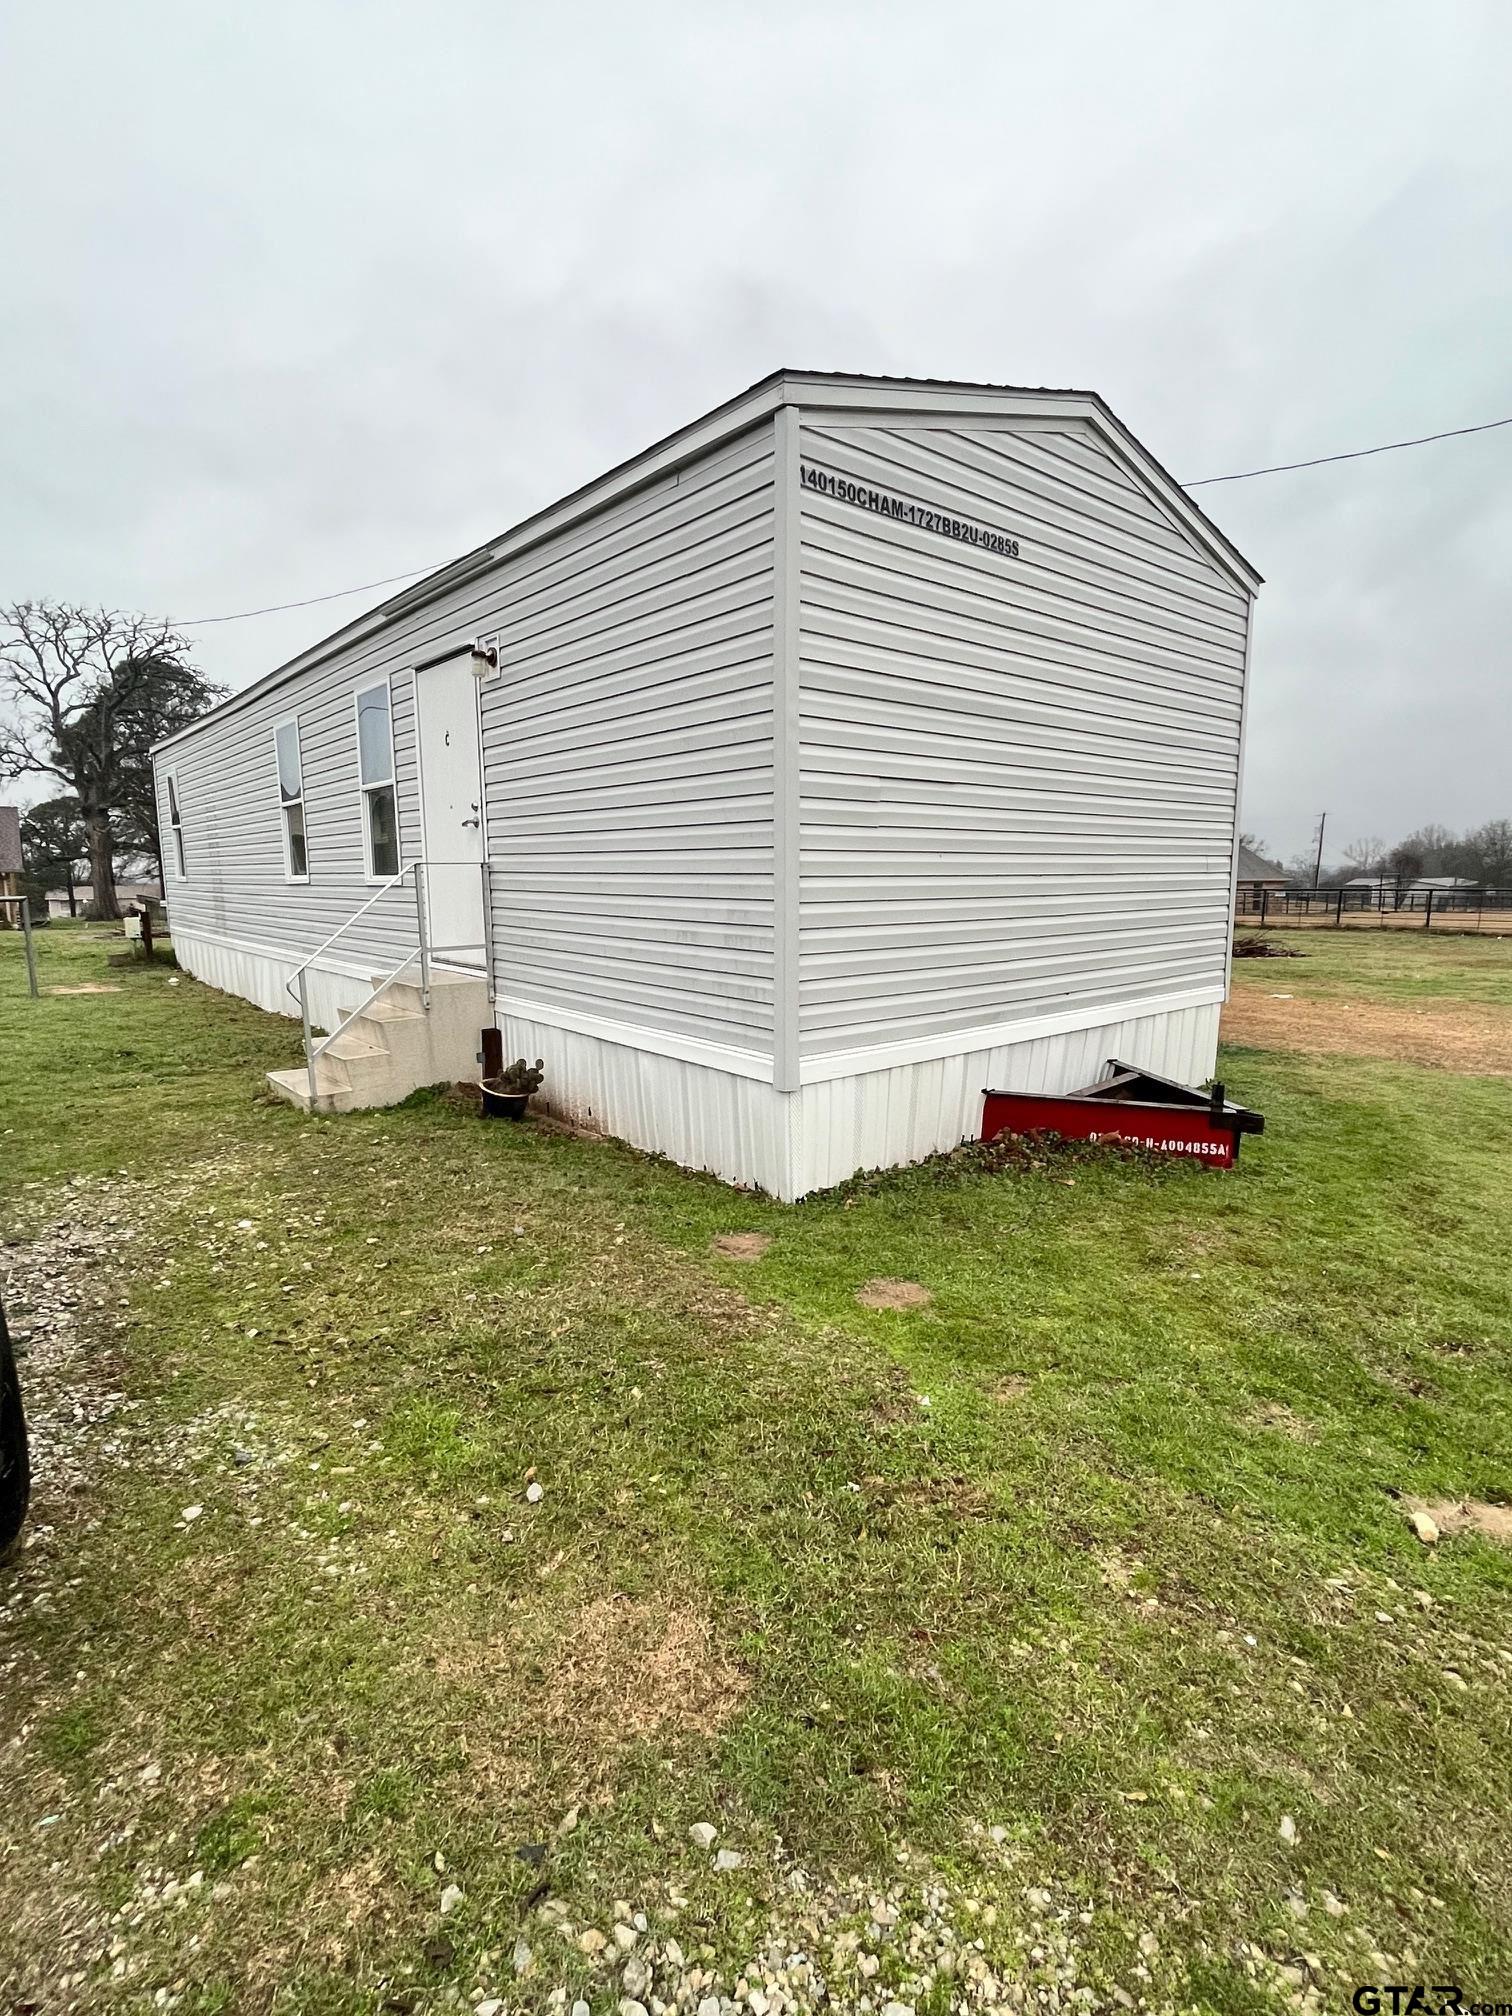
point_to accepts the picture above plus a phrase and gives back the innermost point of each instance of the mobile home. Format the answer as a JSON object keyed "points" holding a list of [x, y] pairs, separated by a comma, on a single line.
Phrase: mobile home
{"points": [[865, 742]]}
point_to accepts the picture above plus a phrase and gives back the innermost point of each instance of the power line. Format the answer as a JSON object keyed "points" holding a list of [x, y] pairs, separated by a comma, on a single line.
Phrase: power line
{"points": [[1197, 482], [275, 608], [1349, 455]]}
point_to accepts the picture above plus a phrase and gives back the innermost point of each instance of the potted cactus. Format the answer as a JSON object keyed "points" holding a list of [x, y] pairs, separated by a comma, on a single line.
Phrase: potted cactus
{"points": [[506, 1096]]}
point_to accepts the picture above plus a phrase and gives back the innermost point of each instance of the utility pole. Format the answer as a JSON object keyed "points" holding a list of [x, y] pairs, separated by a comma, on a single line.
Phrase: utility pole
{"points": [[1318, 863]]}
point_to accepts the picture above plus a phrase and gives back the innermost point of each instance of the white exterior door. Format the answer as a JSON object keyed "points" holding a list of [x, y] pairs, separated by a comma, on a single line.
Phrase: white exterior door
{"points": [[451, 801]]}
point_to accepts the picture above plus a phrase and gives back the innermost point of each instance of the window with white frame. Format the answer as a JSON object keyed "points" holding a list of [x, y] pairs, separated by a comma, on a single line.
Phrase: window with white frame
{"points": [[175, 824], [291, 801], [375, 770]]}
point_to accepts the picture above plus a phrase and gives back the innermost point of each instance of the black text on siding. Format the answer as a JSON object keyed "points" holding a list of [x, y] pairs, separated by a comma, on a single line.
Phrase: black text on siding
{"points": [[847, 492]]}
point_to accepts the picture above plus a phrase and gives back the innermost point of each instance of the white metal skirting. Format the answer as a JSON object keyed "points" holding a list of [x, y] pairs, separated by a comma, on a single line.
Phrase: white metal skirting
{"points": [[737, 1126], [790, 1144], [733, 1126], [260, 975], [878, 1119]]}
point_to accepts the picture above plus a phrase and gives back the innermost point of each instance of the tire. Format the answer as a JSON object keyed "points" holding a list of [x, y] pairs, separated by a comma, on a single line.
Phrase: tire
{"points": [[15, 1458]]}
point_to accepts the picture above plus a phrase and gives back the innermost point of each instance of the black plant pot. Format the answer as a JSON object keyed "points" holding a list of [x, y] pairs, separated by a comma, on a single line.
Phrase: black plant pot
{"points": [[503, 1105]]}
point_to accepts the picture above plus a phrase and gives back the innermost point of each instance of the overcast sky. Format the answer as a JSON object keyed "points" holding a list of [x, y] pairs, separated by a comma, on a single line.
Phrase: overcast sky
{"points": [[297, 296]]}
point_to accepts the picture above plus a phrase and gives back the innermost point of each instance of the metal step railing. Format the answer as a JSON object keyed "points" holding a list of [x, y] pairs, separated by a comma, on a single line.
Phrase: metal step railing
{"points": [[425, 952]]}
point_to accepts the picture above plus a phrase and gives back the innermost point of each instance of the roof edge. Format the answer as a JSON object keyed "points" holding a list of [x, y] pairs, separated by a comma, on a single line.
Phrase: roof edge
{"points": [[786, 386], [1096, 408]]}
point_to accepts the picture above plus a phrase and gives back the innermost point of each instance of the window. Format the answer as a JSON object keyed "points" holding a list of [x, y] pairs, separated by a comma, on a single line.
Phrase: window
{"points": [[175, 823], [291, 801], [375, 769]]}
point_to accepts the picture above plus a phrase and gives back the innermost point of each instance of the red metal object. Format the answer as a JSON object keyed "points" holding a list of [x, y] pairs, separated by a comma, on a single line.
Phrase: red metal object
{"points": [[1130, 1105]]}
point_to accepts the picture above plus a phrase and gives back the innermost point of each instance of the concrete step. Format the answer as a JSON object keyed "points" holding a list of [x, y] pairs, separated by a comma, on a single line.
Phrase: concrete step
{"points": [[449, 992], [295, 1087], [383, 1010], [354, 1043], [396, 1045]]}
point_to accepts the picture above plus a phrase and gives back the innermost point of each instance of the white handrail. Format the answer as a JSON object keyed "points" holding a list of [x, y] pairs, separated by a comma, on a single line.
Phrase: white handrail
{"points": [[392, 883], [296, 984]]}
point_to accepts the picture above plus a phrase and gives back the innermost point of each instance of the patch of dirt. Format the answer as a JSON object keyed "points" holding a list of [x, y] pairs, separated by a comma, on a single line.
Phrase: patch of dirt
{"points": [[1115, 1569], [1014, 1387], [958, 1496], [625, 1668], [88, 987], [1454, 1516], [739, 1245], [1195, 1242], [1275, 1414], [896, 1404], [1468, 1036], [1454, 1347], [883, 1293]]}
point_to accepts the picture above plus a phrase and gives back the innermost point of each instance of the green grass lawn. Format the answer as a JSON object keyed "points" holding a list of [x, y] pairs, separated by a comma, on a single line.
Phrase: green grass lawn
{"points": [[1389, 966], [1073, 1618]]}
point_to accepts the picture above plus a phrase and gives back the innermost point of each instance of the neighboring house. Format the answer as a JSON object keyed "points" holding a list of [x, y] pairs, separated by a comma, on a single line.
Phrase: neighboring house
{"points": [[127, 892], [1256, 876], [1449, 892], [10, 863], [1386, 891], [866, 742]]}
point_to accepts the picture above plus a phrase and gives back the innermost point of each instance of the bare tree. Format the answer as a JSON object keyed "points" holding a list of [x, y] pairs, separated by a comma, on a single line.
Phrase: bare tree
{"points": [[1488, 852], [1404, 864], [1367, 856], [1436, 846], [77, 686]]}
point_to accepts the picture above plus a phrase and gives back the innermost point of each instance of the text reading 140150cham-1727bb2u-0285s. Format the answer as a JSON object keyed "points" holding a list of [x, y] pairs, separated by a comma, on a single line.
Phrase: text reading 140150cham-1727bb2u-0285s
{"points": [[847, 491]]}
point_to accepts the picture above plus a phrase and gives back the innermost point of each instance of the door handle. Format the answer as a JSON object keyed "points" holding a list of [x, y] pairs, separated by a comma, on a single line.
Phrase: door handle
{"points": [[472, 822]]}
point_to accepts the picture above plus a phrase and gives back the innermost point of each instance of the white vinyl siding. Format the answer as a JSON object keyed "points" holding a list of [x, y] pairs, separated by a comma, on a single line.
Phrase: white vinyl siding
{"points": [[291, 799], [238, 887], [1018, 776], [627, 746], [628, 768]]}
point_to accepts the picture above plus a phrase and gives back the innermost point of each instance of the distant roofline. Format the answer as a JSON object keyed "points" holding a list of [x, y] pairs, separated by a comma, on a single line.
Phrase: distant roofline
{"points": [[783, 387], [1257, 867], [12, 853]]}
